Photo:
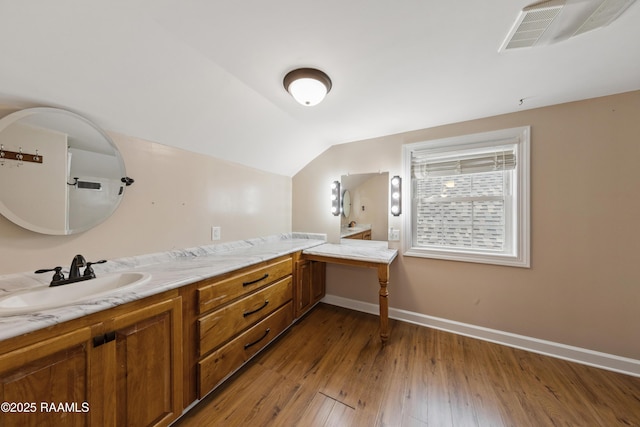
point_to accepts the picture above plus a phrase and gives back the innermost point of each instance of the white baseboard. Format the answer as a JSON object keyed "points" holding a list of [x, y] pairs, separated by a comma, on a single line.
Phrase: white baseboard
{"points": [[574, 354]]}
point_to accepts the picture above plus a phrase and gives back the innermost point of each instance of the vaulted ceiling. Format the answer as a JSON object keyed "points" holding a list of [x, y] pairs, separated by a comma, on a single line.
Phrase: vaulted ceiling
{"points": [[206, 75]]}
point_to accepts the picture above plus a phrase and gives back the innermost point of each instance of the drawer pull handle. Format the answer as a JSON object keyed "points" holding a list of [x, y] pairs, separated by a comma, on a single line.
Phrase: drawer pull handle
{"points": [[246, 346], [255, 281], [249, 313]]}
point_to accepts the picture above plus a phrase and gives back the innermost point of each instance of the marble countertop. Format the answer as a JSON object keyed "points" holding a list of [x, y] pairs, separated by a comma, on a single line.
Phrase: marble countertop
{"points": [[359, 250], [169, 270], [173, 269]]}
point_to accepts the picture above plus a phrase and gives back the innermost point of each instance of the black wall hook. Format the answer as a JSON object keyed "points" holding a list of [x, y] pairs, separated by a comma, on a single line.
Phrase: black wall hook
{"points": [[128, 181]]}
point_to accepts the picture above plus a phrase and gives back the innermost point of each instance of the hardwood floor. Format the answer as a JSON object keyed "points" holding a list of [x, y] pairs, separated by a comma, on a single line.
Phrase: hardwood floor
{"points": [[330, 369]]}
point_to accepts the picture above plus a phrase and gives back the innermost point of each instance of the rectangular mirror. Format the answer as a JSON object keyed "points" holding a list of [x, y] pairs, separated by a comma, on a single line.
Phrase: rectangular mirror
{"points": [[365, 206]]}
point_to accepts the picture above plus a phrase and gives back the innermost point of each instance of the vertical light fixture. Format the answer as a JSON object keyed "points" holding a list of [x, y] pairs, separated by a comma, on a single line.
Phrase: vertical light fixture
{"points": [[308, 86], [335, 198], [396, 195]]}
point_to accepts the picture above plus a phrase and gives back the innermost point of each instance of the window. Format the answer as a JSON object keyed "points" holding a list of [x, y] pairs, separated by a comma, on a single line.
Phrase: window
{"points": [[469, 198]]}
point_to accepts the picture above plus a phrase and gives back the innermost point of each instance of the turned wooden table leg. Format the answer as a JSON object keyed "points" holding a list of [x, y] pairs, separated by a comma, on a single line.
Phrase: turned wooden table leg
{"points": [[383, 278]]}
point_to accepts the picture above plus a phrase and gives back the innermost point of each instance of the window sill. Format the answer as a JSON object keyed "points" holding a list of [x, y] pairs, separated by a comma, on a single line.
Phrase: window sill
{"points": [[482, 258]]}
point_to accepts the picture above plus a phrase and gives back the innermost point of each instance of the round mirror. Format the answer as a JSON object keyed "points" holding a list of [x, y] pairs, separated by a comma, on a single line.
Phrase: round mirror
{"points": [[60, 173], [346, 203]]}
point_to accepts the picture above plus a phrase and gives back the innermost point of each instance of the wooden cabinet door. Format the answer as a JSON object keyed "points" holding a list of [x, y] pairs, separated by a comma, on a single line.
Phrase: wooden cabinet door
{"points": [[310, 284], [38, 378], [303, 287], [147, 376], [318, 280]]}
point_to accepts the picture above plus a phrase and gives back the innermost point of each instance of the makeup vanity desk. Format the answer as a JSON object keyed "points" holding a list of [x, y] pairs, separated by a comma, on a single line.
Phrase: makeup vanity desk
{"points": [[361, 253]]}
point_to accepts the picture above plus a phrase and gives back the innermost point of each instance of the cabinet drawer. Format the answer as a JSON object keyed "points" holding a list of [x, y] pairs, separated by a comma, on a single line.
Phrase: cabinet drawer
{"points": [[223, 291], [224, 361], [217, 327]]}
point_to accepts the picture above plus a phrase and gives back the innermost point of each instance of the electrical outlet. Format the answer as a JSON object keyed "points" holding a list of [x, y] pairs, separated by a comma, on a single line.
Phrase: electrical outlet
{"points": [[215, 233], [394, 234]]}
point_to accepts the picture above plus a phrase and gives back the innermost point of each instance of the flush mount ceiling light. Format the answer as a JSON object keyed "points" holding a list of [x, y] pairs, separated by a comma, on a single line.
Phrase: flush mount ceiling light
{"points": [[308, 86]]}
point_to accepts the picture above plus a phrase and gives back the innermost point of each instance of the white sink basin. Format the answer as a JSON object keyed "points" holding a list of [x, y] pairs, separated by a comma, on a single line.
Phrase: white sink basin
{"points": [[49, 297]]}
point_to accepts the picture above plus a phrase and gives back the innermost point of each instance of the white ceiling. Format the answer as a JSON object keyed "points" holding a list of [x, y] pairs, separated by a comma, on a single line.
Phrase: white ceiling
{"points": [[206, 75]]}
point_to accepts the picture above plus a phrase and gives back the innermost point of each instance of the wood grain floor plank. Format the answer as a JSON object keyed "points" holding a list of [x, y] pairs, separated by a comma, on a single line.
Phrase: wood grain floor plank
{"points": [[317, 412], [418, 378], [486, 403], [358, 349], [330, 369], [439, 409], [342, 415], [394, 379], [224, 405], [316, 361], [272, 392]]}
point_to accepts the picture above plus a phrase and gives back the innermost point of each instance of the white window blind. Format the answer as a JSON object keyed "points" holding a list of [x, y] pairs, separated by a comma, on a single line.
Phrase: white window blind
{"points": [[496, 159]]}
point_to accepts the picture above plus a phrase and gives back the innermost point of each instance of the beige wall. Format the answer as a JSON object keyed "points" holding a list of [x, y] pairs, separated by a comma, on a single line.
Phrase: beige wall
{"points": [[176, 198], [583, 288]]}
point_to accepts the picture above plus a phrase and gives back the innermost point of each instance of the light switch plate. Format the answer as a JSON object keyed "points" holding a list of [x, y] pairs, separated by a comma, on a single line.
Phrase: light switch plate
{"points": [[394, 234], [215, 233]]}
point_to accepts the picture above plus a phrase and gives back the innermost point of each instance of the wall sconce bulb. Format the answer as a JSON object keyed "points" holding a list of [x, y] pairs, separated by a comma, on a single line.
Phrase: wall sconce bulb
{"points": [[335, 198], [396, 196]]}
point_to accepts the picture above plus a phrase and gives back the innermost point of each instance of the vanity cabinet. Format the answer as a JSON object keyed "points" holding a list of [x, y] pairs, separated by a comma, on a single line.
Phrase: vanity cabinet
{"points": [[219, 290], [218, 365], [231, 317], [141, 363], [310, 284], [219, 326], [122, 366], [141, 373], [48, 371]]}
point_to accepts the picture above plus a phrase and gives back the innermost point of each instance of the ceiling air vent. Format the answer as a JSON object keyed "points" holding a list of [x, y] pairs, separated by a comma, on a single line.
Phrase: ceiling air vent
{"points": [[605, 14], [532, 22]]}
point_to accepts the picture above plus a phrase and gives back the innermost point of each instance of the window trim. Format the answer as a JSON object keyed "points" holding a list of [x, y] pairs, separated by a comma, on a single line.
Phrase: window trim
{"points": [[521, 256]]}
